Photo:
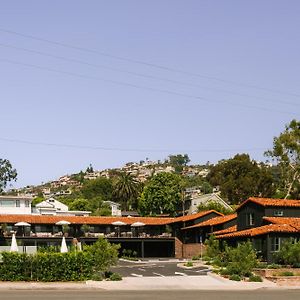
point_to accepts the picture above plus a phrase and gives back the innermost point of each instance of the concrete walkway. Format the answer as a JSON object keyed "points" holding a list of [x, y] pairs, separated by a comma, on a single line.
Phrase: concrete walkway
{"points": [[209, 282]]}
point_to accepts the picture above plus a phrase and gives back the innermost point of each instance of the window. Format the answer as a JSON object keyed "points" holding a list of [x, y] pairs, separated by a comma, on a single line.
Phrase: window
{"points": [[278, 213], [275, 244], [7, 203], [26, 203], [250, 219], [17, 203]]}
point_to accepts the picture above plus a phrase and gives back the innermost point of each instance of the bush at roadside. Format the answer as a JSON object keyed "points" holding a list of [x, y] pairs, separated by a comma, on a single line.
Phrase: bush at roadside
{"points": [[71, 266]]}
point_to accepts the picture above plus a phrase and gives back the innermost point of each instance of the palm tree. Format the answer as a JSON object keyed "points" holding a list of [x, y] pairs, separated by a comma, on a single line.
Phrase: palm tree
{"points": [[127, 189]]}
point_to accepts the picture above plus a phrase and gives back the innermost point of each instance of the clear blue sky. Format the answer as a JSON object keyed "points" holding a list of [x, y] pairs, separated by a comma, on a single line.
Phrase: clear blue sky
{"points": [[240, 84]]}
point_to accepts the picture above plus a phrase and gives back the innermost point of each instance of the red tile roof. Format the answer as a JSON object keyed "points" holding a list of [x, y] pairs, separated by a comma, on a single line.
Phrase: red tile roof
{"points": [[261, 230], [227, 230], [213, 221], [42, 219], [194, 216], [272, 202], [283, 220]]}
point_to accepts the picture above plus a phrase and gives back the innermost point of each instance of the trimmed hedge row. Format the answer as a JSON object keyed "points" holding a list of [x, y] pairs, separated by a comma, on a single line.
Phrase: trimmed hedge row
{"points": [[94, 261]]}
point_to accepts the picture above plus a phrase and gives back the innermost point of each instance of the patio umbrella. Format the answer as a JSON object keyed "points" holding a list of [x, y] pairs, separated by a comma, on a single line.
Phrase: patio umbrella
{"points": [[23, 224], [118, 223], [62, 222], [137, 224], [14, 245], [63, 248]]}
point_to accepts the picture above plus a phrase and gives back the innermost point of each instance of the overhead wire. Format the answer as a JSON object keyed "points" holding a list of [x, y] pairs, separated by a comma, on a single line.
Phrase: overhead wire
{"points": [[67, 59], [89, 147], [136, 86], [153, 65]]}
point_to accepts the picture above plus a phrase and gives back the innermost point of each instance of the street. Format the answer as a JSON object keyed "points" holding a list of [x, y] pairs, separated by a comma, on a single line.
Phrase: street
{"points": [[150, 295]]}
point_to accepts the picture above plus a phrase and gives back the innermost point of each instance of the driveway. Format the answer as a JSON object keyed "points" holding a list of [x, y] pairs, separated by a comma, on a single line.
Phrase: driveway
{"points": [[156, 269]]}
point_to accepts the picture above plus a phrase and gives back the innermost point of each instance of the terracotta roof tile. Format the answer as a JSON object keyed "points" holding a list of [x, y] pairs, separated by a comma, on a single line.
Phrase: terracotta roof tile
{"points": [[272, 202], [213, 221], [227, 230], [283, 220], [261, 230], [194, 216], [42, 219]]}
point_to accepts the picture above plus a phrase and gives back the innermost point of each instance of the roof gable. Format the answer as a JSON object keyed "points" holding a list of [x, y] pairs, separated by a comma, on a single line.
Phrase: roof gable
{"points": [[270, 202], [214, 221]]}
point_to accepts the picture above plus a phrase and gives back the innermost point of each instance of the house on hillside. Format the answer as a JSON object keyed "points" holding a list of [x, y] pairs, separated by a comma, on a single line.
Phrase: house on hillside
{"points": [[191, 205], [16, 205], [115, 208], [52, 206]]}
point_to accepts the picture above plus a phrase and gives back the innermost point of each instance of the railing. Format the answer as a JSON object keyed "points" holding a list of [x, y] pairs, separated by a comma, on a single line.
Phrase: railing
{"points": [[128, 234]]}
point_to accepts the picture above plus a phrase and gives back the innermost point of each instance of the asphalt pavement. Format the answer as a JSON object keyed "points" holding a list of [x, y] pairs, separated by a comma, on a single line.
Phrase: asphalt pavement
{"points": [[156, 269], [150, 295]]}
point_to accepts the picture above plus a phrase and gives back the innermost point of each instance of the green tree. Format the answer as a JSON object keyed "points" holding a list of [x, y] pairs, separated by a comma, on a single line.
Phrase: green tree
{"points": [[80, 204], [212, 205], [161, 195], [100, 187], [126, 190], [178, 161], [289, 254], [241, 177], [286, 151], [89, 169], [241, 259], [7, 173]]}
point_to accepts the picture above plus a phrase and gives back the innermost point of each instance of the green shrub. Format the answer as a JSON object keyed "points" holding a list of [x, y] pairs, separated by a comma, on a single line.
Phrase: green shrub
{"points": [[97, 277], [273, 266], [195, 257], [53, 266], [115, 277], [241, 260], [189, 264], [235, 277], [289, 254], [262, 265], [212, 247], [255, 278], [286, 273], [224, 272]]}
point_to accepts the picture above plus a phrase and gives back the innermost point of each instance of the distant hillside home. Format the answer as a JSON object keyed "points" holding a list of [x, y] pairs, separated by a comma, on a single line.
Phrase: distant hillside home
{"points": [[115, 208], [15, 205], [52, 206], [192, 204]]}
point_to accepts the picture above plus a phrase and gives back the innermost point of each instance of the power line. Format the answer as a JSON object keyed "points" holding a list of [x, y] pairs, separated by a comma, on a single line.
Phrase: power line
{"points": [[141, 87], [153, 65], [35, 143], [140, 74]]}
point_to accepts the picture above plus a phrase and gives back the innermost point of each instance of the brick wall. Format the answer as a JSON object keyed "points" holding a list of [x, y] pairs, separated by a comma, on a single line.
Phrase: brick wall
{"points": [[178, 248], [187, 250]]}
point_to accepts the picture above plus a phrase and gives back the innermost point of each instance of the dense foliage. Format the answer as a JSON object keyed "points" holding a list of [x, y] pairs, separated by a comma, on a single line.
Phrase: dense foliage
{"points": [[93, 261], [286, 151], [212, 205], [240, 260], [126, 190], [241, 177], [289, 254], [7, 173], [161, 195]]}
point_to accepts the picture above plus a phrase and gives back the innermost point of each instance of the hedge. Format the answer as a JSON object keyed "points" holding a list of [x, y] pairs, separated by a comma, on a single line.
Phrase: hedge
{"points": [[49, 266]]}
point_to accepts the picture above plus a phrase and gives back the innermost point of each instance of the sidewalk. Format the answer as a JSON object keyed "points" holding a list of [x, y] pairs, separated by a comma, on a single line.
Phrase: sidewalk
{"points": [[209, 282]]}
